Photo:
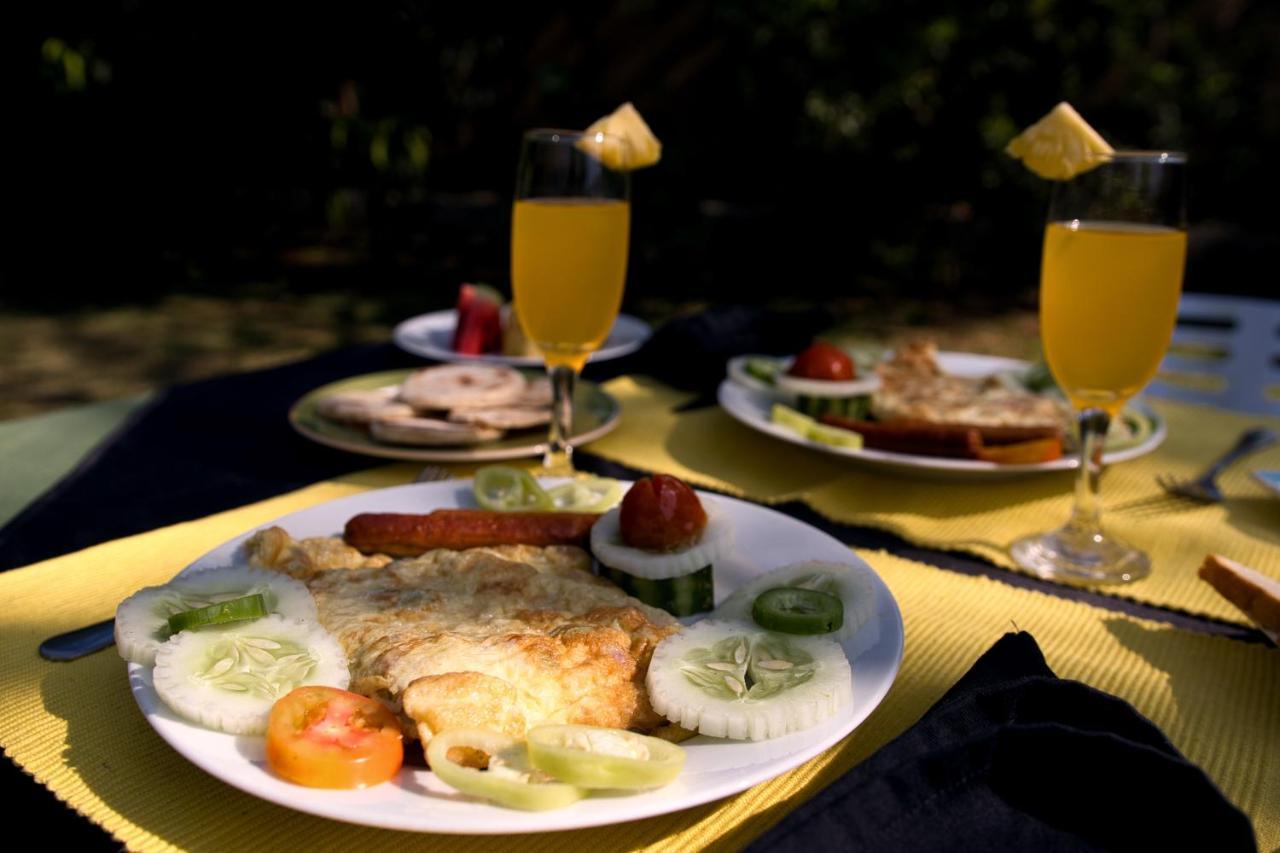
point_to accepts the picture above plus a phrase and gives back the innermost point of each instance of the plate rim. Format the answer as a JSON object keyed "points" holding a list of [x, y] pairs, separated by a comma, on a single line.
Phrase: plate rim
{"points": [[470, 453], [933, 464], [1272, 486], [636, 330], [168, 726]]}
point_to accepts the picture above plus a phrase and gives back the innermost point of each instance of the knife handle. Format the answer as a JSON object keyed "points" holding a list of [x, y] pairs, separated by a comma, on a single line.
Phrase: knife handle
{"points": [[80, 642]]}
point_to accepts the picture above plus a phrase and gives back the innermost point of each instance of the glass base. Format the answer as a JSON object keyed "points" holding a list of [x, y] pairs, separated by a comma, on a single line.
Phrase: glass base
{"points": [[1078, 556]]}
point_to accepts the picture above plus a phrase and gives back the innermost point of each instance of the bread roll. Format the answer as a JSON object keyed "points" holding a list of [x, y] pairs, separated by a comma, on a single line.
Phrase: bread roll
{"points": [[1256, 594]]}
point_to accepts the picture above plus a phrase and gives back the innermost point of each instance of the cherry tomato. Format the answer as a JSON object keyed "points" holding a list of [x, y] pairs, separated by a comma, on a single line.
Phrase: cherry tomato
{"points": [[324, 737], [823, 361], [661, 513]]}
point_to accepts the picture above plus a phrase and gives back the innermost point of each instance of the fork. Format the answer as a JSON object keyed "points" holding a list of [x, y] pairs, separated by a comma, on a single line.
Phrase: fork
{"points": [[1204, 488], [432, 473]]}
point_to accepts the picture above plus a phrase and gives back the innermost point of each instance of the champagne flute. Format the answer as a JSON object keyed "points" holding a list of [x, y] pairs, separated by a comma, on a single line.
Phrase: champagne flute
{"points": [[1110, 280], [569, 232]]}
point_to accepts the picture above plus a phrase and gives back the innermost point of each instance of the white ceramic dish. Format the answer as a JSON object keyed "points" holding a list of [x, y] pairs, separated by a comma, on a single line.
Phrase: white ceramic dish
{"points": [[595, 413], [415, 800], [431, 336], [1269, 479], [750, 401]]}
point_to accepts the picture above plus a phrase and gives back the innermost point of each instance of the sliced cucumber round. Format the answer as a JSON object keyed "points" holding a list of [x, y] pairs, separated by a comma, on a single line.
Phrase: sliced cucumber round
{"points": [[233, 610], [227, 678], [730, 680], [611, 551], [142, 619], [794, 610], [588, 494], [849, 583]]}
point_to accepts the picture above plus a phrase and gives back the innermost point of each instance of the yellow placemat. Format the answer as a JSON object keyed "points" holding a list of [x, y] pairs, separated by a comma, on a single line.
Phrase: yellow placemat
{"points": [[980, 517], [75, 727]]}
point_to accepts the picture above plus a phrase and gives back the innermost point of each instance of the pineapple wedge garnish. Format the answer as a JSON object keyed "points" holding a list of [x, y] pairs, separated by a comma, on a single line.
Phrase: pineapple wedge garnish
{"points": [[1060, 146], [642, 148]]}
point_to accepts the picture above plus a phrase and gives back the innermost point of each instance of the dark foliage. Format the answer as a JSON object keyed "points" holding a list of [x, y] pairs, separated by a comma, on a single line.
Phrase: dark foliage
{"points": [[813, 148]]}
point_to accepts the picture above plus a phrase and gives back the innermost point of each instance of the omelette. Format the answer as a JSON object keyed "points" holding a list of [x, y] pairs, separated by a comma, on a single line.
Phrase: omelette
{"points": [[502, 638], [913, 387]]}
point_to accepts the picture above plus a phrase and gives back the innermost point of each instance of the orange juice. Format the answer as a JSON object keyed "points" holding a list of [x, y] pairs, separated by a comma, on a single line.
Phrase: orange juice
{"points": [[568, 265], [1108, 303]]}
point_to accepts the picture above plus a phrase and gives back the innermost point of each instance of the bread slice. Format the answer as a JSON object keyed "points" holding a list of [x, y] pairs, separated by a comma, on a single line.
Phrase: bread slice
{"points": [[1256, 594]]}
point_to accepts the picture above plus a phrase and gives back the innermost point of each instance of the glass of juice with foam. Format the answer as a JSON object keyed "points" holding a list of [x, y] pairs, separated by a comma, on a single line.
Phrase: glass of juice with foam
{"points": [[1110, 280], [570, 227]]}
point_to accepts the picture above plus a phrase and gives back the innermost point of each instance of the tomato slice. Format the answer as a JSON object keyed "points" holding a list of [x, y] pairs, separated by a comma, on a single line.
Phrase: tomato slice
{"points": [[323, 737], [509, 779], [661, 513], [823, 361], [594, 757], [1031, 452]]}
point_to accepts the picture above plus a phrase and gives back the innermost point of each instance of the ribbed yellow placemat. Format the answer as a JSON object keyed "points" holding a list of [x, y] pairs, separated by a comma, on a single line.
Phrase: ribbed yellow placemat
{"points": [[75, 727], [980, 516]]}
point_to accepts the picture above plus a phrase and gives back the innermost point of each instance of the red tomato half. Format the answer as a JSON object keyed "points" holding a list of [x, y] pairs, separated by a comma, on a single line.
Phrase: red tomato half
{"points": [[823, 361], [324, 737], [661, 513]]}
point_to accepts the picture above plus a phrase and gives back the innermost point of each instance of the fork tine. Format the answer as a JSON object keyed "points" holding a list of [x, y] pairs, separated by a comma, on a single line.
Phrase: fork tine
{"points": [[432, 473]]}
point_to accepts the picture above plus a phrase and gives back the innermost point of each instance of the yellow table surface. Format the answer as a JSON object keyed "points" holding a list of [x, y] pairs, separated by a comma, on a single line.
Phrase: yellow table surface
{"points": [[980, 516]]}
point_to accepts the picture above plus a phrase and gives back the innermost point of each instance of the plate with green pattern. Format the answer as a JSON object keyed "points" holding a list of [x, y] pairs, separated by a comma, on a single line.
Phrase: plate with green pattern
{"points": [[595, 413]]}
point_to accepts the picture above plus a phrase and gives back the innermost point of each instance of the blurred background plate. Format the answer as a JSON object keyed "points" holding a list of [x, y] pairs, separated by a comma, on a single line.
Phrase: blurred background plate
{"points": [[431, 336], [594, 414], [1270, 479], [751, 401]]}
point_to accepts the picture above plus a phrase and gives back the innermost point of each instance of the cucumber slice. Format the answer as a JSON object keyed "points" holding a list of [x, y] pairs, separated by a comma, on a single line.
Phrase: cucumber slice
{"points": [[503, 488], [1129, 429], [588, 494], [228, 678], [596, 757], [612, 552], [764, 369], [795, 610], [730, 680], [853, 585], [791, 419], [835, 436], [509, 779], [142, 619], [236, 610], [680, 596], [845, 407]]}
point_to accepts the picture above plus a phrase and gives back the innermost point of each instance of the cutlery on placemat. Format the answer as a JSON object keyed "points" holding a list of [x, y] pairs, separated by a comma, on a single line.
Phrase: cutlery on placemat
{"points": [[80, 642], [1204, 488]]}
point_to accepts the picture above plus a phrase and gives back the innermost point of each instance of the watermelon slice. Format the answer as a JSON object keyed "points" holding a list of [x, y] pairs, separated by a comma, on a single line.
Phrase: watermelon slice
{"points": [[479, 328]]}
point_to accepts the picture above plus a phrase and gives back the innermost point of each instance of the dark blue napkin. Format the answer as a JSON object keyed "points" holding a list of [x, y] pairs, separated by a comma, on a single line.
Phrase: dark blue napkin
{"points": [[1015, 758]]}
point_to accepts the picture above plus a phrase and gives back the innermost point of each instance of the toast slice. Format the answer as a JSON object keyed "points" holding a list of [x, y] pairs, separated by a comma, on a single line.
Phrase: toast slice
{"points": [[1256, 594]]}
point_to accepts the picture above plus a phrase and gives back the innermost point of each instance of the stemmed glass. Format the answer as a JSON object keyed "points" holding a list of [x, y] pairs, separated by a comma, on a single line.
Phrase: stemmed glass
{"points": [[1110, 279], [569, 232]]}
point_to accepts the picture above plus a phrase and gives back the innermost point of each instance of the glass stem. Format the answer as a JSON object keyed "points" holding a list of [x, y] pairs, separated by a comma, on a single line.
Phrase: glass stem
{"points": [[558, 460], [1087, 512]]}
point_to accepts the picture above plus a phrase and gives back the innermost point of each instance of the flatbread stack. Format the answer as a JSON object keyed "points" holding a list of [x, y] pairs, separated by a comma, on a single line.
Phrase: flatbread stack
{"points": [[451, 404]]}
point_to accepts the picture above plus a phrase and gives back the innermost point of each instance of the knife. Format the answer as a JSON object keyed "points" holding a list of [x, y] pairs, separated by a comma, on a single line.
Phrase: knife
{"points": [[80, 642]]}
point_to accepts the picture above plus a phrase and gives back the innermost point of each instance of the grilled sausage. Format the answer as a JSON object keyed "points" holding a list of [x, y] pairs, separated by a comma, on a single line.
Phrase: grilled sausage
{"points": [[408, 535], [960, 441]]}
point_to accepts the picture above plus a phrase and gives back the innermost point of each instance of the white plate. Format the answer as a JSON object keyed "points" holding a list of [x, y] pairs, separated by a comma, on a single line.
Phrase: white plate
{"points": [[416, 800], [431, 336], [595, 413], [1270, 479], [751, 401]]}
